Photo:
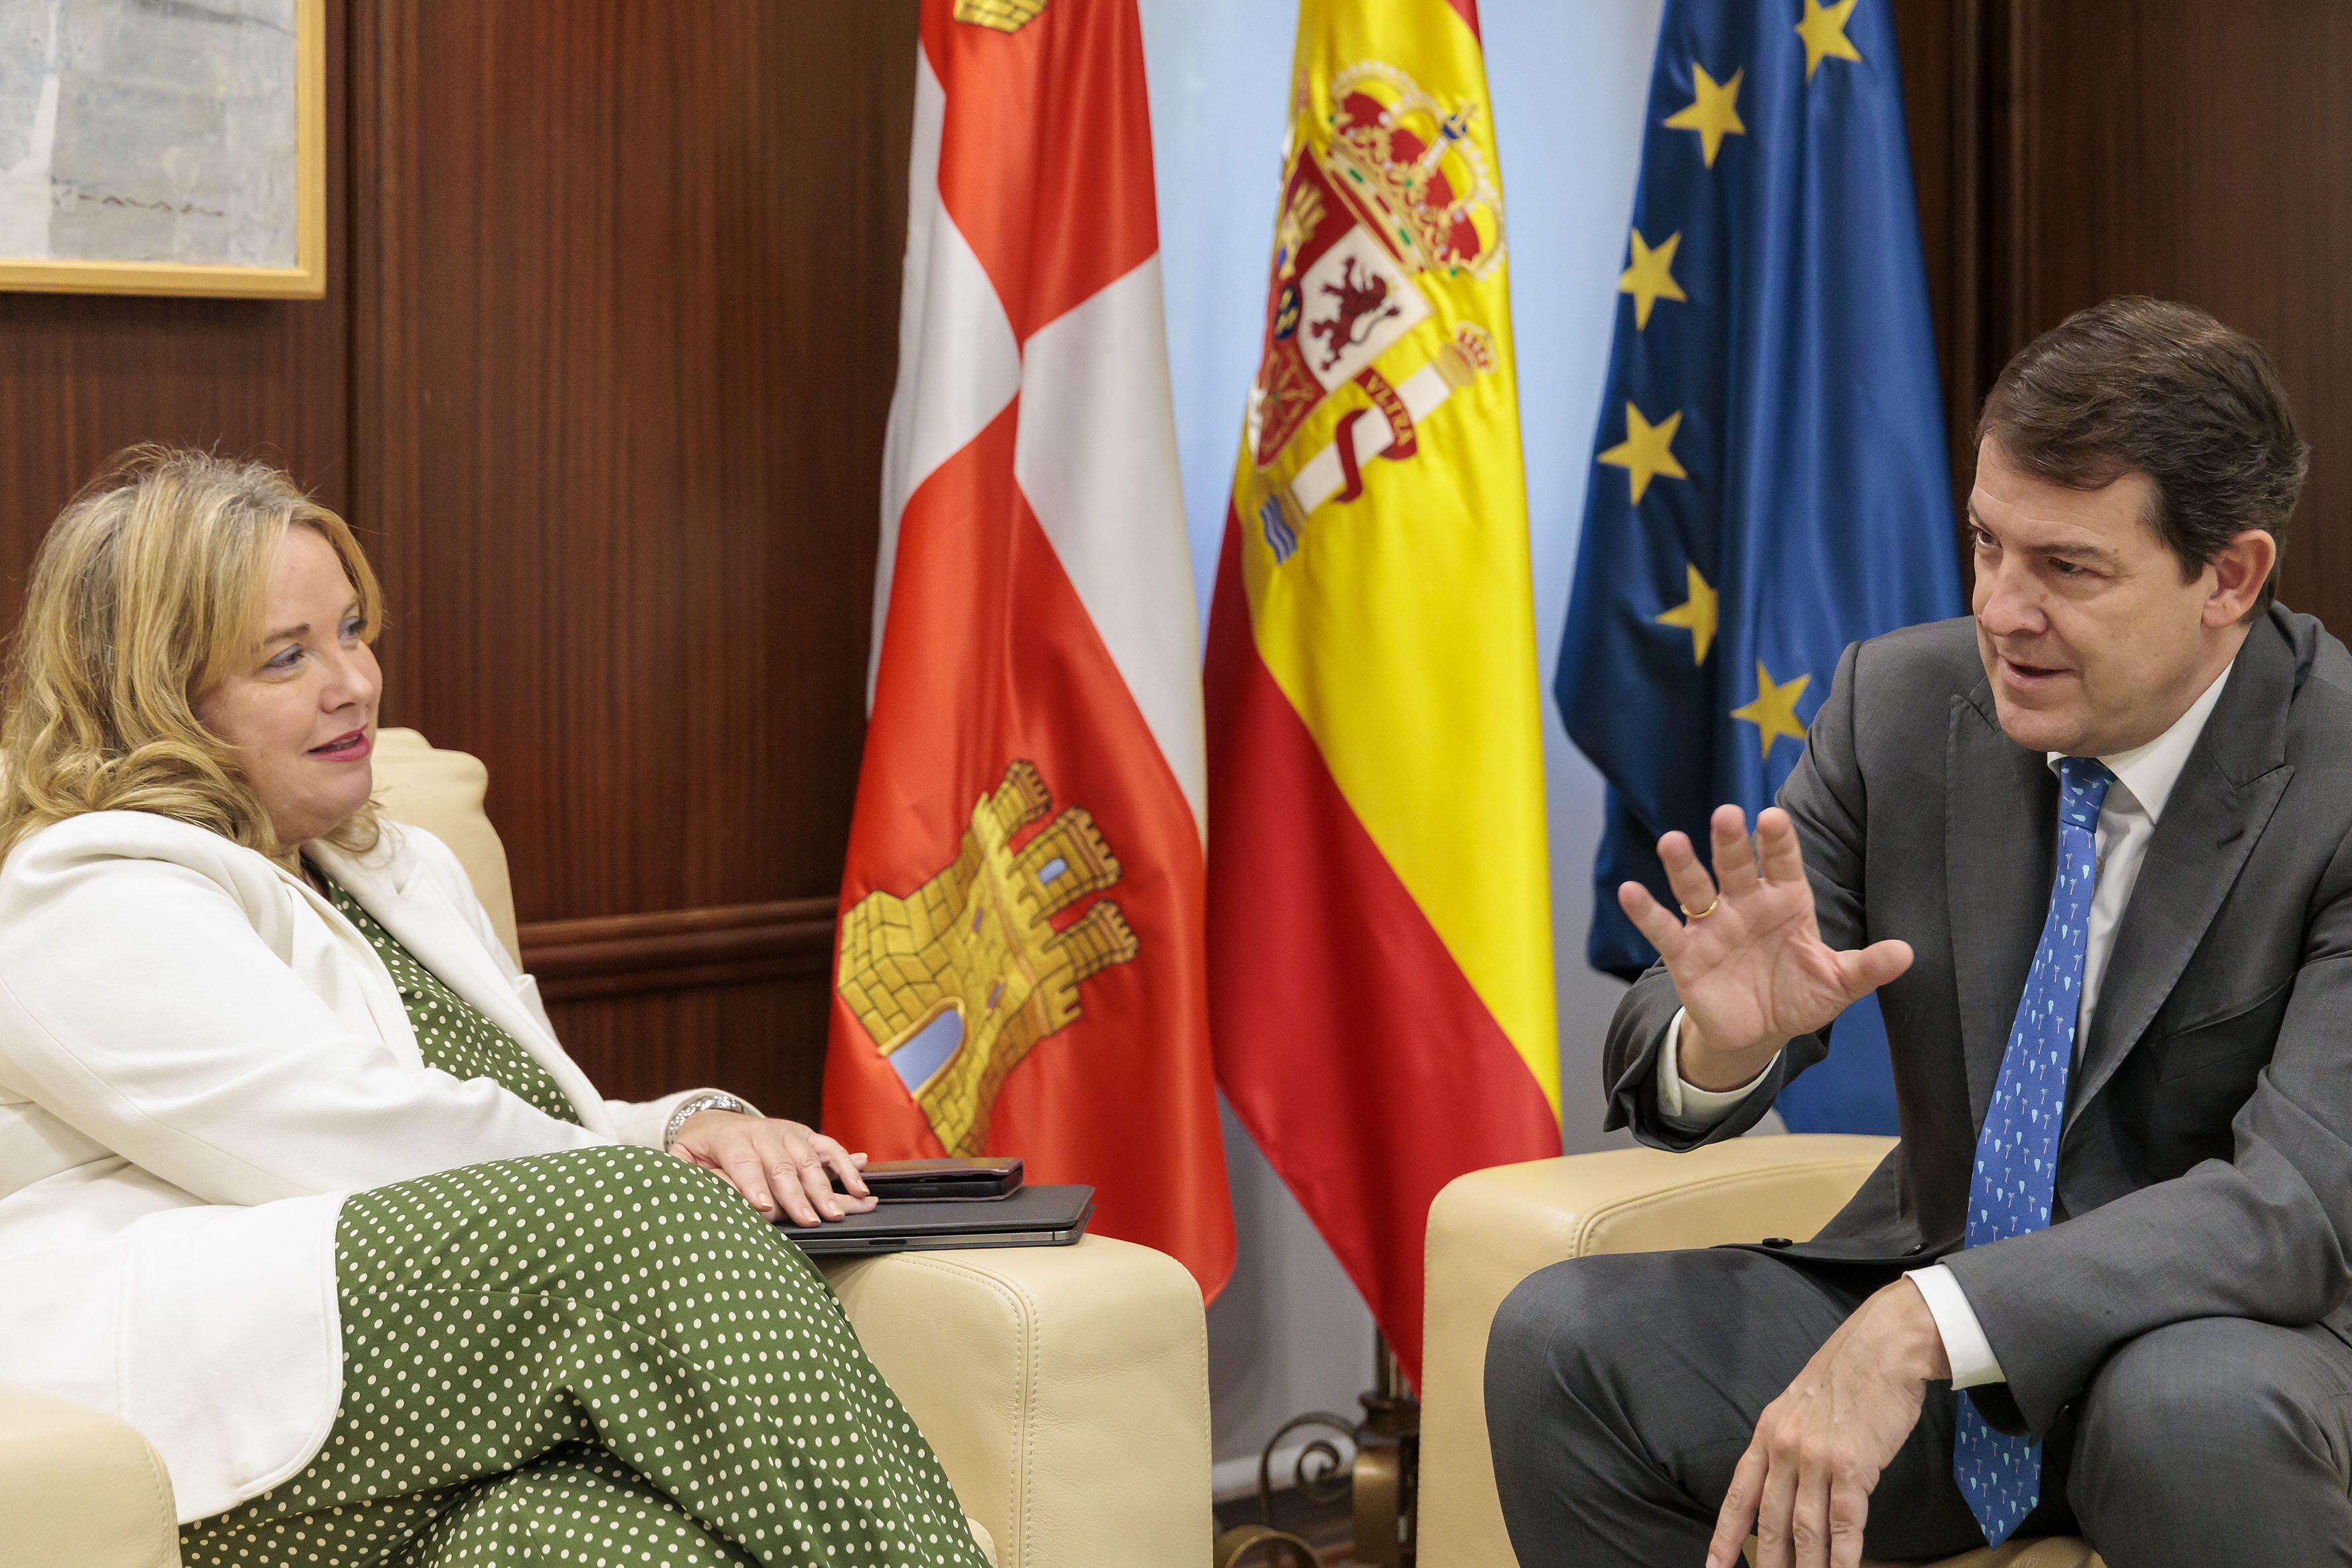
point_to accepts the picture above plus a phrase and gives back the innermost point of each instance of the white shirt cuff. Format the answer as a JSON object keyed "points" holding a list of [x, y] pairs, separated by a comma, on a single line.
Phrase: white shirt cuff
{"points": [[1965, 1345], [1686, 1102]]}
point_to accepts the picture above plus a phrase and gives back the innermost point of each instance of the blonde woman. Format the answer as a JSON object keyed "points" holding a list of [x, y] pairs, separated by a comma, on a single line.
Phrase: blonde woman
{"points": [[293, 1173]]}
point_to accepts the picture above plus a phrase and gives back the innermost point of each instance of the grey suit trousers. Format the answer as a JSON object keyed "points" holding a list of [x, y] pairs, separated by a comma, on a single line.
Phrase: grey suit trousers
{"points": [[1621, 1391]]}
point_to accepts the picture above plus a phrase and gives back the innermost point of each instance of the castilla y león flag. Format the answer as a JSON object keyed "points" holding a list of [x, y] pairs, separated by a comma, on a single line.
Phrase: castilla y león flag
{"points": [[1020, 962], [1380, 924]]}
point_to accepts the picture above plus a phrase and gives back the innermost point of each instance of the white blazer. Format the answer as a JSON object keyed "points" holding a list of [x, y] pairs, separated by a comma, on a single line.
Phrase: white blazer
{"points": [[199, 1057]]}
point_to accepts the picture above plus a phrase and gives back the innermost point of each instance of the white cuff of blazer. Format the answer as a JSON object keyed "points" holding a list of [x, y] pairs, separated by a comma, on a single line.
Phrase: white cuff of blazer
{"points": [[1965, 1345], [1687, 1103]]}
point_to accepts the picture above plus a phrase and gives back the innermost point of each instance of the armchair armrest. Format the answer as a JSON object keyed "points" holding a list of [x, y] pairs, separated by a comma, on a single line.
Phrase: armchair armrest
{"points": [[1064, 1388], [79, 1486], [1490, 1229]]}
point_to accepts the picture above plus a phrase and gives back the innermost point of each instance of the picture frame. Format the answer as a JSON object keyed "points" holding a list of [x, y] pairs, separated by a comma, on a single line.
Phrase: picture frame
{"points": [[304, 279]]}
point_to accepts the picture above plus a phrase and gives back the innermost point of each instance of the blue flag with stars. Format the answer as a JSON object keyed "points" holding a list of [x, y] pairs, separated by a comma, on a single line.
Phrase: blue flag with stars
{"points": [[1769, 478]]}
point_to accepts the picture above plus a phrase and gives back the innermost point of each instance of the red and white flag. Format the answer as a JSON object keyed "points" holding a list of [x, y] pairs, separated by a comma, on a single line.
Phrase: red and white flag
{"points": [[1019, 968]]}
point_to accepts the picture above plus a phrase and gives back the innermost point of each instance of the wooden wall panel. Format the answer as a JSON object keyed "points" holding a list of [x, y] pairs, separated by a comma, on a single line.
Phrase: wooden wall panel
{"points": [[1939, 93], [2204, 154], [627, 313], [2073, 150], [751, 1037]]}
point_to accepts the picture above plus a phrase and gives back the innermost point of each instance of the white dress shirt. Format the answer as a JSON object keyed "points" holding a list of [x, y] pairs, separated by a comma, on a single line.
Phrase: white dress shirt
{"points": [[2144, 779]]}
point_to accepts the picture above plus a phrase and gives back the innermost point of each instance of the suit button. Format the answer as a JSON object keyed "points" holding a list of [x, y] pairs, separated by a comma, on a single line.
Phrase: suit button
{"points": [[1778, 1241]]}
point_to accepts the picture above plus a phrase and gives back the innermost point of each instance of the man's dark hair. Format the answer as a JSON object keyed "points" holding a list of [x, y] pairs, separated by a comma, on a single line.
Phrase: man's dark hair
{"points": [[2162, 389]]}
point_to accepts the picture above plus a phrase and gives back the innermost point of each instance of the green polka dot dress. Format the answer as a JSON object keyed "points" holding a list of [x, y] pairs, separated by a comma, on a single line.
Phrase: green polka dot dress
{"points": [[598, 1359], [451, 1033]]}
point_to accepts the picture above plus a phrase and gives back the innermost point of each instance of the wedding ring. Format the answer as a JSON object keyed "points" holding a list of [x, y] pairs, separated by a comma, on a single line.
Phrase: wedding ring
{"points": [[1701, 914]]}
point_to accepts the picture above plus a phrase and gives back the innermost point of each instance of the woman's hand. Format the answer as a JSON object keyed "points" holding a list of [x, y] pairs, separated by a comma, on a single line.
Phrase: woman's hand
{"points": [[774, 1163]]}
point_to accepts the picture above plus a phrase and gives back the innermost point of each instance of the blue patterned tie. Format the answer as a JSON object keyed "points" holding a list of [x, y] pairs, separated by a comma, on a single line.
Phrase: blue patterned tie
{"points": [[2017, 1156]]}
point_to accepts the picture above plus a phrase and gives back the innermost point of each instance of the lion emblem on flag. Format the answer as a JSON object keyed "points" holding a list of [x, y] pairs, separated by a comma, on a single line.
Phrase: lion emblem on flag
{"points": [[1393, 194]]}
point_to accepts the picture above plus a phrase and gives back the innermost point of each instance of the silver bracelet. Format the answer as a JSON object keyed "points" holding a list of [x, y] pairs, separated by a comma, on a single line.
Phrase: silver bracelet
{"points": [[694, 1105]]}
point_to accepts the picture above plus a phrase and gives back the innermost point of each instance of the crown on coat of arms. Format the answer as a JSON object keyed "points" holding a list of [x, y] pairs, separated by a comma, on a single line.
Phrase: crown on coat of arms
{"points": [[1414, 167]]}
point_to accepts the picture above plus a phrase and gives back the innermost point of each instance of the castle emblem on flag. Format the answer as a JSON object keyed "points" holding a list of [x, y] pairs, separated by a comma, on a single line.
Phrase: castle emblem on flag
{"points": [[960, 979], [1396, 191]]}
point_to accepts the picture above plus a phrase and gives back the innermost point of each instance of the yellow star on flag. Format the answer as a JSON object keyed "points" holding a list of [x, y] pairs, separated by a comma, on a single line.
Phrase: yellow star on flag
{"points": [[1714, 110], [1647, 449], [1694, 615], [1823, 30], [1774, 712], [1651, 278]]}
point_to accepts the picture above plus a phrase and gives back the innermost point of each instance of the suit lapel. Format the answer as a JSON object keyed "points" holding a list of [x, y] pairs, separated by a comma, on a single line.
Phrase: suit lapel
{"points": [[2000, 848], [2227, 791], [417, 912], [375, 985], [445, 942]]}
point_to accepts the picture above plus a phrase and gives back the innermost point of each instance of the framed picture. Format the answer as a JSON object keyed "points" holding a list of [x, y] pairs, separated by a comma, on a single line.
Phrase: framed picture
{"points": [[163, 148]]}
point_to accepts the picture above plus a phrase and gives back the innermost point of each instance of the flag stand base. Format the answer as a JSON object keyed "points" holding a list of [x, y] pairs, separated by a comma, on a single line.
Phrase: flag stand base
{"points": [[1381, 1481], [1385, 1479]]}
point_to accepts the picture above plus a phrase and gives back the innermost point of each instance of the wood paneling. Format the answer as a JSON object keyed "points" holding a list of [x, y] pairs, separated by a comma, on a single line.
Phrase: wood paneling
{"points": [[2204, 154], [753, 1039], [1937, 97], [627, 305], [632, 277], [2068, 151], [628, 955]]}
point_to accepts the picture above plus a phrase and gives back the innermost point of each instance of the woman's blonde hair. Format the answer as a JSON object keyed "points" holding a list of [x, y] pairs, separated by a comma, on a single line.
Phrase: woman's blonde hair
{"points": [[148, 592]]}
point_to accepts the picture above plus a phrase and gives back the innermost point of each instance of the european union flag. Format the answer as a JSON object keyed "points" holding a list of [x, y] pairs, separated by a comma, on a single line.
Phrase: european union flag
{"points": [[1771, 480]]}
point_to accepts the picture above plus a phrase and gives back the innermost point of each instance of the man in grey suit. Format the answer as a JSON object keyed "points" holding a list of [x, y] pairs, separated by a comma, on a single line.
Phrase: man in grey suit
{"points": [[2092, 847]]}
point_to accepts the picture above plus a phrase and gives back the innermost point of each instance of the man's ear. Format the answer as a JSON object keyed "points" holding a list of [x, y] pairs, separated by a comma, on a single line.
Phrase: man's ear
{"points": [[2240, 570]]}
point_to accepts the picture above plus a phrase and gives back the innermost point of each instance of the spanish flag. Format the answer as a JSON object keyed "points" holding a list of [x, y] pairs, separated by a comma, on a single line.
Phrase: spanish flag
{"points": [[1380, 922]]}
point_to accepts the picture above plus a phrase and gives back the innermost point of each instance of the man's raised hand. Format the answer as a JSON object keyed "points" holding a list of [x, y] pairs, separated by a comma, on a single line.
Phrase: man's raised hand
{"points": [[1749, 961]]}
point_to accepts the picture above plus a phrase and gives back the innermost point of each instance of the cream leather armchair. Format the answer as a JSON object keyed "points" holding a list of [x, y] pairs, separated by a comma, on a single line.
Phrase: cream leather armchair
{"points": [[1491, 1229], [1065, 1389]]}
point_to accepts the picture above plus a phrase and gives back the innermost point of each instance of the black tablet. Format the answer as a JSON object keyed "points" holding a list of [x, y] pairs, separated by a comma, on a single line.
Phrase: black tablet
{"points": [[1032, 1217]]}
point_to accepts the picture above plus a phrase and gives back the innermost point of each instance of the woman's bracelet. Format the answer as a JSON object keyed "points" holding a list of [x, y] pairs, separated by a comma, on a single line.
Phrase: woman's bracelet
{"points": [[694, 1105]]}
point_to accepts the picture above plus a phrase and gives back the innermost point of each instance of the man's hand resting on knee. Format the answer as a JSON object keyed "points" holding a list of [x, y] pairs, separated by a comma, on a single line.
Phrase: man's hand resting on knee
{"points": [[1804, 1484], [1752, 972], [1748, 963]]}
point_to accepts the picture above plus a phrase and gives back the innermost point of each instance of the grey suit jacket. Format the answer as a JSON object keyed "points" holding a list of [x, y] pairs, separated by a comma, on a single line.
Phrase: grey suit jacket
{"points": [[2205, 1168]]}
